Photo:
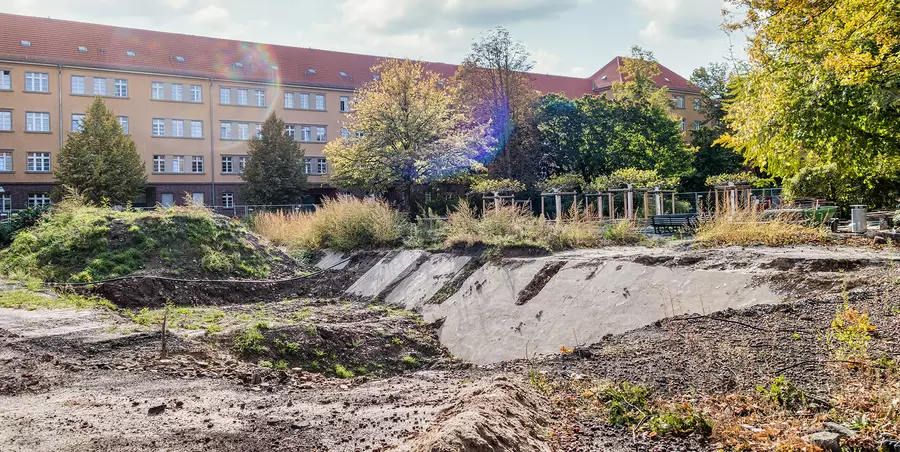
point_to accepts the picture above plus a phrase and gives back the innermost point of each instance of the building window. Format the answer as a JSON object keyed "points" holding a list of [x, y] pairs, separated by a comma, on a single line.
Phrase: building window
{"points": [[99, 86], [6, 161], [290, 131], [197, 164], [197, 199], [77, 84], [77, 121], [177, 92], [227, 166], [243, 131], [196, 93], [167, 199], [196, 129], [37, 122], [159, 164], [227, 200], [308, 166], [178, 164], [260, 98], [345, 104], [322, 166], [304, 101], [288, 100], [159, 127], [157, 91], [698, 125], [305, 133], [259, 131], [37, 82], [682, 125], [225, 131], [5, 203], [121, 88], [679, 102], [320, 134], [177, 128], [123, 121], [5, 120], [36, 200], [320, 101], [225, 96], [5, 80], [697, 104], [242, 163], [38, 162], [242, 97]]}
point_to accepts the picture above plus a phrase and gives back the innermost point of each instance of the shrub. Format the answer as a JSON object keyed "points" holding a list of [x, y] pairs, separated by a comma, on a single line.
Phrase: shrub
{"points": [[23, 219], [782, 392], [342, 372], [624, 232], [250, 340], [344, 224], [850, 334]]}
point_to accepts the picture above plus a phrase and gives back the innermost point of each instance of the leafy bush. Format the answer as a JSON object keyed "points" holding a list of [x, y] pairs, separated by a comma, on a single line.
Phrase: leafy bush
{"points": [[562, 182], [497, 186], [345, 223], [250, 340], [21, 220], [782, 392], [850, 334], [342, 372]]}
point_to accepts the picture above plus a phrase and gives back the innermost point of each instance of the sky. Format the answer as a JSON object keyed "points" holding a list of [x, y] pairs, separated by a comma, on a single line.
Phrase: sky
{"points": [[564, 37]]}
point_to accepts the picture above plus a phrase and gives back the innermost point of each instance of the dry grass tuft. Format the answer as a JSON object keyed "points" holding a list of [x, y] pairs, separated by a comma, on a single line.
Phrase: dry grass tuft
{"points": [[750, 229]]}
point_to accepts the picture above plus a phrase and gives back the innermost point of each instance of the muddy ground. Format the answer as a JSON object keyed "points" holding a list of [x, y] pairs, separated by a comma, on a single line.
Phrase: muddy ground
{"points": [[92, 379]]}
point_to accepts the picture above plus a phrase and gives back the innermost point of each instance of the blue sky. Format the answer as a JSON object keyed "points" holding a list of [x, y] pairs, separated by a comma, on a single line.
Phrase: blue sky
{"points": [[565, 37]]}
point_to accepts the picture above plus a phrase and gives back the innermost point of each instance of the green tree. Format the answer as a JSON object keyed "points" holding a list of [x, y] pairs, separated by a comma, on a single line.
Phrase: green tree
{"points": [[99, 161], [638, 72], [405, 130], [275, 172], [823, 87]]}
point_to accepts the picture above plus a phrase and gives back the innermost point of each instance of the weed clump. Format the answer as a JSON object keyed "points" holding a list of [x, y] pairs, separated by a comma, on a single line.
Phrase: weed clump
{"points": [[250, 340], [342, 372], [751, 229]]}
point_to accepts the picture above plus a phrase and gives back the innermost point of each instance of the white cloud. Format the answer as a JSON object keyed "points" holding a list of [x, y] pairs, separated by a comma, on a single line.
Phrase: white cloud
{"points": [[545, 62], [211, 14], [176, 4], [680, 19], [577, 71]]}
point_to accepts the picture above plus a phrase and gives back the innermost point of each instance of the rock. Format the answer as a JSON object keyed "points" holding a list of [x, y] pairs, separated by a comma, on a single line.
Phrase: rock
{"points": [[845, 432], [156, 410], [300, 425], [255, 379], [826, 440], [879, 240]]}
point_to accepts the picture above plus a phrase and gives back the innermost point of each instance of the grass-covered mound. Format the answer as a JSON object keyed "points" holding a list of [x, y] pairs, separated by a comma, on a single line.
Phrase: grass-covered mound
{"points": [[77, 243]]}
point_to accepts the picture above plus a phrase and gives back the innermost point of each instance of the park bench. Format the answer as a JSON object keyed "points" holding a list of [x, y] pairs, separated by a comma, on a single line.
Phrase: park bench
{"points": [[685, 222]]}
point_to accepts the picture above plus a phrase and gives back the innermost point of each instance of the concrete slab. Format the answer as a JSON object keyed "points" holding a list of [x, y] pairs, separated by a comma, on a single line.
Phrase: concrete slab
{"points": [[386, 272], [427, 280], [333, 260], [579, 305]]}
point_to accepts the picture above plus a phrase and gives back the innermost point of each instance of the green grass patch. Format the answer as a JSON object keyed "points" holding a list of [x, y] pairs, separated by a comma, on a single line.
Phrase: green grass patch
{"points": [[26, 299]]}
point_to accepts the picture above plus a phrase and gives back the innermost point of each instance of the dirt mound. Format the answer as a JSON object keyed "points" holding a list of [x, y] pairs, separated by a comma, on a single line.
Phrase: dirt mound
{"points": [[499, 415]]}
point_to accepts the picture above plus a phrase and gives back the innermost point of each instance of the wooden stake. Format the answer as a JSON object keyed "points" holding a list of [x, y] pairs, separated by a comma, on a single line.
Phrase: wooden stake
{"points": [[165, 352]]}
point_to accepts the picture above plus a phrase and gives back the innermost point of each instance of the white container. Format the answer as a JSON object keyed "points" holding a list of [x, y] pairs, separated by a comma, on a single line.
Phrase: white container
{"points": [[858, 223]]}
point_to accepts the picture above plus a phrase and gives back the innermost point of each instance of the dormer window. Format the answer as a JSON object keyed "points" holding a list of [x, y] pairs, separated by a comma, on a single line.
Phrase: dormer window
{"points": [[25, 43], [82, 49], [343, 74], [129, 53], [179, 59], [237, 65], [311, 71]]}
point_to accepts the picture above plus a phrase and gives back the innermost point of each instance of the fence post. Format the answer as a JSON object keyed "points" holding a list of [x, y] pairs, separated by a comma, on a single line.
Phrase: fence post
{"points": [[558, 199]]}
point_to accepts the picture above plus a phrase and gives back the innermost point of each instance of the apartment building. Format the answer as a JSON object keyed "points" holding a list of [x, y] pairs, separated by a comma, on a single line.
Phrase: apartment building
{"points": [[190, 103]]}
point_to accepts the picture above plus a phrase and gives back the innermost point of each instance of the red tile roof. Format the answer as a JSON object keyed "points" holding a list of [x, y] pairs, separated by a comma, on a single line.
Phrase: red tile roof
{"points": [[607, 75], [57, 42]]}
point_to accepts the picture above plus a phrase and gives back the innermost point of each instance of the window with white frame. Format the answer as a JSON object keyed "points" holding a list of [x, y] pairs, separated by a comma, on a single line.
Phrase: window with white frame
{"points": [[36, 200], [177, 92], [322, 166], [177, 128], [259, 131], [225, 96], [242, 97], [290, 131], [123, 121], [698, 125], [37, 82], [37, 162], [77, 122], [178, 164], [227, 165], [121, 88], [196, 93], [99, 86], [320, 134], [37, 122], [5, 203], [682, 126], [6, 161], [5, 120], [305, 133], [260, 98], [320, 101], [225, 131], [157, 91], [5, 80], [697, 104], [197, 199], [288, 100], [307, 165], [227, 200], [304, 101], [197, 164], [159, 127], [196, 129], [77, 84], [159, 164], [345, 104], [243, 131], [242, 163], [679, 102]]}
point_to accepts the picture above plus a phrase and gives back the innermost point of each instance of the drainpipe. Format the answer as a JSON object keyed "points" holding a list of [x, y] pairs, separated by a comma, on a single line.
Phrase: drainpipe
{"points": [[59, 93], [212, 156]]}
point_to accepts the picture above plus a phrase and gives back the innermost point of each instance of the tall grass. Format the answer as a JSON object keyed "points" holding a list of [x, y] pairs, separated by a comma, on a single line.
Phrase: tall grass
{"points": [[750, 228], [344, 224]]}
